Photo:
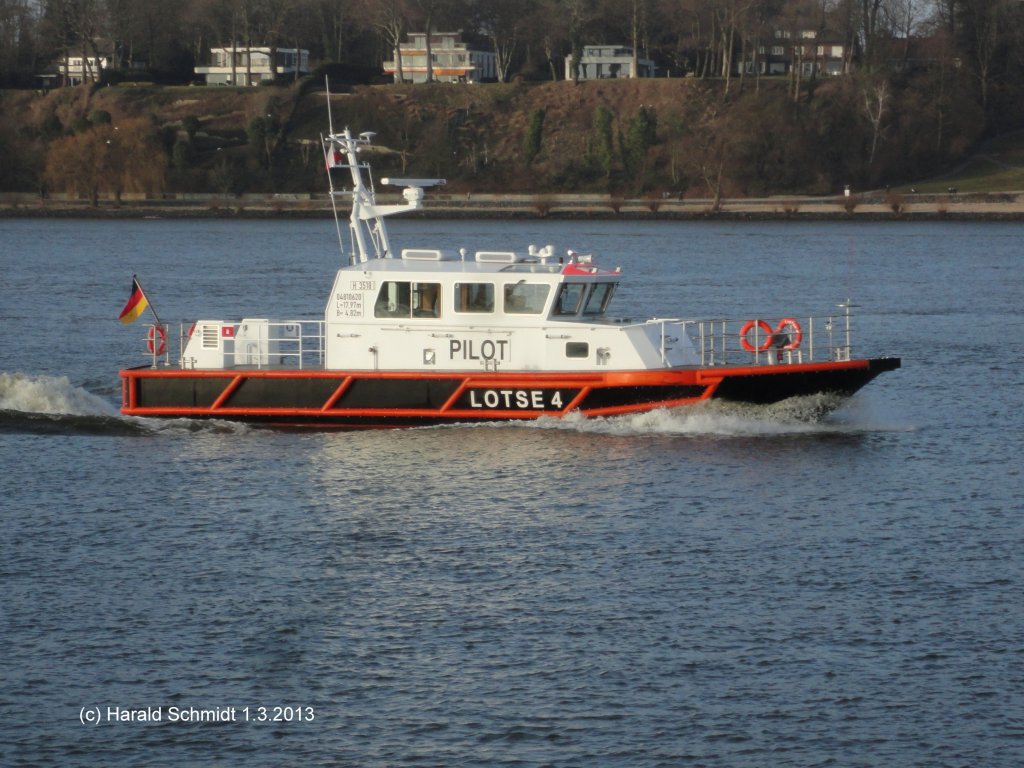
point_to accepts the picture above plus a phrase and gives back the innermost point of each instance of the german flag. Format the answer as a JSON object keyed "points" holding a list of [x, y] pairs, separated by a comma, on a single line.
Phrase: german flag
{"points": [[136, 305]]}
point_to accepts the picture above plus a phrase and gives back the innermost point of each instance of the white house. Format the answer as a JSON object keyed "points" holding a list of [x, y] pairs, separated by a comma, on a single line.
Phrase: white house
{"points": [[76, 69], [452, 60], [600, 62], [221, 72]]}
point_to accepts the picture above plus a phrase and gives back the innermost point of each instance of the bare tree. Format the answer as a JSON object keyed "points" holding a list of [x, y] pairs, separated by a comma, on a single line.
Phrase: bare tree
{"points": [[732, 16], [548, 29], [429, 10], [17, 33], [578, 14], [981, 22], [390, 19], [502, 21], [333, 20], [876, 104], [870, 13]]}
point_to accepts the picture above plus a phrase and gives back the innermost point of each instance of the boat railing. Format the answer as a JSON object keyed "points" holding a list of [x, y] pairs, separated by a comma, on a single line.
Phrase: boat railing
{"points": [[255, 344], [761, 341]]}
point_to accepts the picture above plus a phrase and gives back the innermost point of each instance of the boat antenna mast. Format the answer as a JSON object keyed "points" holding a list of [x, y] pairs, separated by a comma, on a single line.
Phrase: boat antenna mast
{"points": [[366, 222]]}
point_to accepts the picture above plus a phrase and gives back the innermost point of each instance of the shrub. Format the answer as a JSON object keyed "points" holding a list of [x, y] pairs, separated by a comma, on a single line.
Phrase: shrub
{"points": [[534, 134], [181, 155], [604, 147]]}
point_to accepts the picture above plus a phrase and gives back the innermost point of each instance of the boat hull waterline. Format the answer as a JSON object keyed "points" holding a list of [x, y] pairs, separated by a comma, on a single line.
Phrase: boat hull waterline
{"points": [[311, 398]]}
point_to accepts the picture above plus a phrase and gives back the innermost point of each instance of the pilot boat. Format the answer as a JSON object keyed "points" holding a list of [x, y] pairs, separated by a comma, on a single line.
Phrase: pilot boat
{"points": [[426, 336]]}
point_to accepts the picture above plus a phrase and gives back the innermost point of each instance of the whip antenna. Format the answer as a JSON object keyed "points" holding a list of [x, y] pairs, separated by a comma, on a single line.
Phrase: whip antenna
{"points": [[329, 152]]}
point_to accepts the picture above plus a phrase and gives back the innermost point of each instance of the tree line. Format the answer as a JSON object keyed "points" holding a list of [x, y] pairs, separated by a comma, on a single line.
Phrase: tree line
{"points": [[529, 37], [166, 39]]}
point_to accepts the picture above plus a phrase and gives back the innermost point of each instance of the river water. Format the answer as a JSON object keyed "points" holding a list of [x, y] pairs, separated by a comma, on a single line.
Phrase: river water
{"points": [[717, 586]]}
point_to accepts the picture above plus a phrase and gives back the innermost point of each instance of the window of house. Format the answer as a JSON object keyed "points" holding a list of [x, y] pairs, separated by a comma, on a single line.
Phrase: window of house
{"points": [[405, 299], [524, 298], [474, 297], [777, 50]]}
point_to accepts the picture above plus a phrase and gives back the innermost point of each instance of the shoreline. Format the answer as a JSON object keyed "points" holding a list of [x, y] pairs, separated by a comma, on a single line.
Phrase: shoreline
{"points": [[869, 207]]}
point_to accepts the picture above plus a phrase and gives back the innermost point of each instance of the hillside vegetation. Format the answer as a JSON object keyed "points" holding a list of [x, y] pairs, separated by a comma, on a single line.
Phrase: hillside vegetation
{"points": [[677, 137]]}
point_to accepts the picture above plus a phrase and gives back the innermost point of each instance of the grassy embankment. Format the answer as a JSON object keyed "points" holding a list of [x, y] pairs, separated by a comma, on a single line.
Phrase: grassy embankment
{"points": [[473, 136]]}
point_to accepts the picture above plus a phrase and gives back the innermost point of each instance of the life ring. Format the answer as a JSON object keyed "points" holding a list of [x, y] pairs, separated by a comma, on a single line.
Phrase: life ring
{"points": [[789, 328], [765, 332], [156, 340]]}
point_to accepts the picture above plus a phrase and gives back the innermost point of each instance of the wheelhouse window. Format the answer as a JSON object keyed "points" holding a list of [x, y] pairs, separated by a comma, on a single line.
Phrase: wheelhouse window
{"points": [[474, 297], [569, 298], [405, 299], [524, 298], [599, 297]]}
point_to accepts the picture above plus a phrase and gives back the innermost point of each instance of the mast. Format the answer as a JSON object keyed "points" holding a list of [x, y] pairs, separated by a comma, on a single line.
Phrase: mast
{"points": [[366, 221]]}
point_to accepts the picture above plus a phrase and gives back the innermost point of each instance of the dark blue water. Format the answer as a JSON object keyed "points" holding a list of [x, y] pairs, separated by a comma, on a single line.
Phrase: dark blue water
{"points": [[717, 586]]}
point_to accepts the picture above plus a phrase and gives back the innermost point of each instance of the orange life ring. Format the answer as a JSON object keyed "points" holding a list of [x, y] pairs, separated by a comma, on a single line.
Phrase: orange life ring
{"points": [[791, 329], [766, 334], [156, 340]]}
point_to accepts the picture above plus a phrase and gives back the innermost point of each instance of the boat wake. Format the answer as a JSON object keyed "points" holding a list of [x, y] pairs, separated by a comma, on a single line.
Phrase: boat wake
{"points": [[810, 415], [53, 405]]}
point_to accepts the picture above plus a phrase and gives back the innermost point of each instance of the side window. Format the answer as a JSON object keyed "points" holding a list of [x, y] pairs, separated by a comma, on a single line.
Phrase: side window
{"points": [[426, 299], [474, 297], [404, 299], [524, 298], [393, 300], [577, 349], [569, 298], [599, 298]]}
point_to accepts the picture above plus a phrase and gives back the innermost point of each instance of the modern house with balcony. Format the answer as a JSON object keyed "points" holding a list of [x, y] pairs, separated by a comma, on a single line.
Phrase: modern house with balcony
{"points": [[452, 60], [601, 62], [240, 65]]}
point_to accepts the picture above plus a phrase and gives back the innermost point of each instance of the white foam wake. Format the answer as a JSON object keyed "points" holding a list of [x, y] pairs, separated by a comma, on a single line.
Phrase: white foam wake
{"points": [[50, 395], [811, 415]]}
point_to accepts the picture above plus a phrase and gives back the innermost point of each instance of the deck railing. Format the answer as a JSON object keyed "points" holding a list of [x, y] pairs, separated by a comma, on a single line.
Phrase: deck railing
{"points": [[761, 341], [249, 344], [278, 344], [301, 343]]}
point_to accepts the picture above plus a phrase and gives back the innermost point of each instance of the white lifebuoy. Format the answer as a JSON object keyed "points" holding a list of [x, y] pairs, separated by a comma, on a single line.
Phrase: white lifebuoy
{"points": [[765, 334]]}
